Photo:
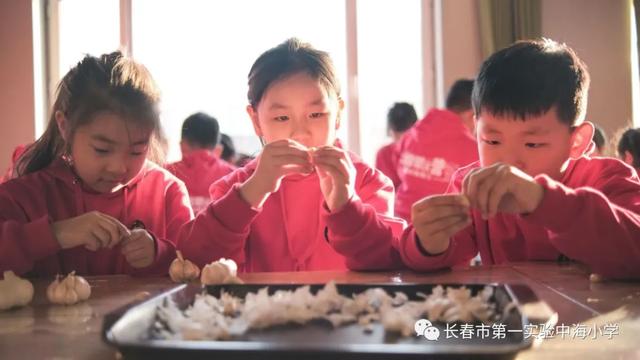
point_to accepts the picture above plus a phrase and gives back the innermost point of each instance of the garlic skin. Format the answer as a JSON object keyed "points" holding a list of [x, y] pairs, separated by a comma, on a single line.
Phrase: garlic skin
{"points": [[14, 291], [182, 270], [223, 271], [69, 290]]}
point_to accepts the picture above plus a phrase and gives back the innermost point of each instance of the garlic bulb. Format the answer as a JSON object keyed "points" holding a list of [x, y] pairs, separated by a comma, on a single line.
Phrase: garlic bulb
{"points": [[14, 291], [182, 270], [70, 290], [223, 271]]}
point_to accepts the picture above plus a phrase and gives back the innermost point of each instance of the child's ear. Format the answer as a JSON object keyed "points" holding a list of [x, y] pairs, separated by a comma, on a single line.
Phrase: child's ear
{"points": [[61, 121], [581, 139], [217, 151], [628, 158], [253, 114], [339, 116]]}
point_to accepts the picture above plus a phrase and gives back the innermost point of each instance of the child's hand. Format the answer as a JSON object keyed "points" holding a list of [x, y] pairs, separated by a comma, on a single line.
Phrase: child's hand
{"points": [[278, 159], [337, 175], [437, 218], [139, 248], [503, 188], [94, 230]]}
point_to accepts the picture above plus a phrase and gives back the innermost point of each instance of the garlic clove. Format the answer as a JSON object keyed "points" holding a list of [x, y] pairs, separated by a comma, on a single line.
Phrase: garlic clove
{"points": [[183, 270], [233, 267], [82, 287]]}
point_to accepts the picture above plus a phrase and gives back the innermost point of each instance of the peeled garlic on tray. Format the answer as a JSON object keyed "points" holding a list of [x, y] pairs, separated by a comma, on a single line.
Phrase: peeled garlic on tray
{"points": [[182, 270], [69, 290], [14, 291], [223, 271]]}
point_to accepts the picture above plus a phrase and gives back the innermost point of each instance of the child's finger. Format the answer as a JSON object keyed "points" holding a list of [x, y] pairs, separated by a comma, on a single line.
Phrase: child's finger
{"points": [[333, 171], [291, 160], [436, 213], [112, 230], [445, 223], [335, 163], [101, 236], [92, 244], [132, 244], [484, 190], [293, 151], [122, 228], [473, 180], [137, 255], [452, 228], [441, 200], [496, 195]]}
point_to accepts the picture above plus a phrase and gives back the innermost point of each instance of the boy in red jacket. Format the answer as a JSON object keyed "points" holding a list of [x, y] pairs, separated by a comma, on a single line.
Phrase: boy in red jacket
{"points": [[533, 195], [201, 165], [431, 151]]}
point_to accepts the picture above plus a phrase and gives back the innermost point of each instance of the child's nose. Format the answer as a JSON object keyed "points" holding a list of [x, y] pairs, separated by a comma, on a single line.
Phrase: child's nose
{"points": [[117, 166], [300, 130], [514, 158]]}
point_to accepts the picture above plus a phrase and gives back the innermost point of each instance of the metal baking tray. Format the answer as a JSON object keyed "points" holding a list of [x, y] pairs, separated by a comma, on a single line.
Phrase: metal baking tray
{"points": [[129, 329]]}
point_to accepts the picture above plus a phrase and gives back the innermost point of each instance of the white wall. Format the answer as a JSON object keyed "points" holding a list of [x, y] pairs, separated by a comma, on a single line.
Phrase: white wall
{"points": [[17, 124]]}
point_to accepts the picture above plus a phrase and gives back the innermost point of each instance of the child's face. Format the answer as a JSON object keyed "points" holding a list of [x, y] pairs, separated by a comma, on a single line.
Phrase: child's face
{"points": [[298, 108], [539, 145], [108, 152]]}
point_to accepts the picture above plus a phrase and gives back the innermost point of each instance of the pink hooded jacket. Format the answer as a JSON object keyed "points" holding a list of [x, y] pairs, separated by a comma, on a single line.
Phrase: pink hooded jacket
{"points": [[294, 230], [31, 203]]}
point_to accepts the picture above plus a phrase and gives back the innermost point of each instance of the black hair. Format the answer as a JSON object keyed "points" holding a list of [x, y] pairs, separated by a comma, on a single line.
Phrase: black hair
{"points": [[459, 97], [201, 130], [228, 148], [599, 138], [109, 83], [529, 78], [630, 141], [401, 117], [291, 57]]}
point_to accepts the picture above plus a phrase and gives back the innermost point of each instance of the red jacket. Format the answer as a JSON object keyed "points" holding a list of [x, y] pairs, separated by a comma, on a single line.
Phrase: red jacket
{"points": [[429, 153], [591, 215], [199, 170], [387, 162], [294, 231], [31, 203]]}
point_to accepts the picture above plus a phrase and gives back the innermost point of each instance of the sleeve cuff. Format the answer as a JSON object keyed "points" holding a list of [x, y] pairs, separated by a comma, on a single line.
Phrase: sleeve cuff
{"points": [[556, 196], [348, 220], [39, 239], [417, 258], [233, 211]]}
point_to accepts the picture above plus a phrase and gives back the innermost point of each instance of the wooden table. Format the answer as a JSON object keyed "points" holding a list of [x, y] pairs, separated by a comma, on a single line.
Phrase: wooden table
{"points": [[42, 330]]}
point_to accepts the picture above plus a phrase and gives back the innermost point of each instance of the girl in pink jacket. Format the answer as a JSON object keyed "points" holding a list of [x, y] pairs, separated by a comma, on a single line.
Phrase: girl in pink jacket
{"points": [[86, 198], [304, 203]]}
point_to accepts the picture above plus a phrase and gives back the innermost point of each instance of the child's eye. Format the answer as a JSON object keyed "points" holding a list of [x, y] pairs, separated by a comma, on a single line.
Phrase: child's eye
{"points": [[281, 118], [317, 115], [101, 151], [491, 142], [136, 153], [534, 145]]}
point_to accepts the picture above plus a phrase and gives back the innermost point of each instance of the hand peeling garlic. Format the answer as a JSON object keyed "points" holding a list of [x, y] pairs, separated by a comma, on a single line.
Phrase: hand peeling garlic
{"points": [[69, 290], [14, 291], [223, 271], [182, 270]]}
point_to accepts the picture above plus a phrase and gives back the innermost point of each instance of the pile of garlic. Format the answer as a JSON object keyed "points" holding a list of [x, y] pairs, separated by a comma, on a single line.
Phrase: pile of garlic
{"points": [[14, 291], [68, 291], [227, 316]]}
